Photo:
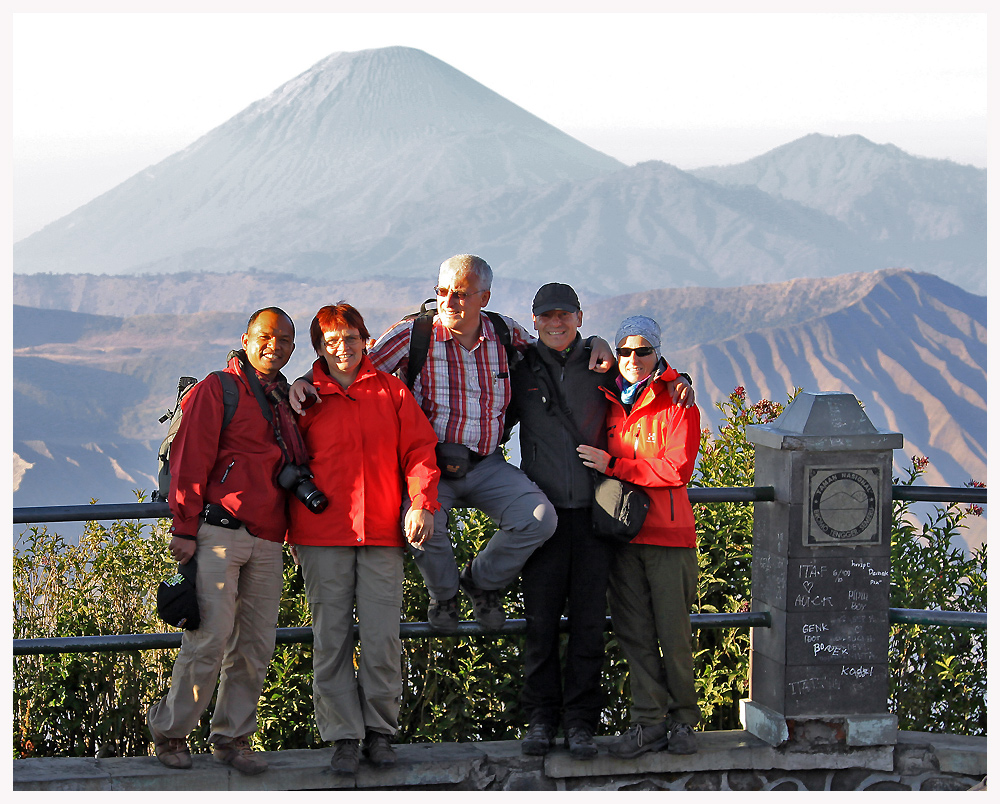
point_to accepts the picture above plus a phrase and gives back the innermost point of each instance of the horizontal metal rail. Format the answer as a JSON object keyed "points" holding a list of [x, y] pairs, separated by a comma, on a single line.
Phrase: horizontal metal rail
{"points": [[160, 510], [290, 636], [945, 494], [111, 643], [950, 619]]}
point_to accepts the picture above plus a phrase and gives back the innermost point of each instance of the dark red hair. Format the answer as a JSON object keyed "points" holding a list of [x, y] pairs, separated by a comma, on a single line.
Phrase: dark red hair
{"points": [[335, 316]]}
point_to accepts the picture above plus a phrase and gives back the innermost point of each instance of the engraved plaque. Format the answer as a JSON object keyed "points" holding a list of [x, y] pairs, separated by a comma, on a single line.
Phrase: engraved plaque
{"points": [[843, 507]]}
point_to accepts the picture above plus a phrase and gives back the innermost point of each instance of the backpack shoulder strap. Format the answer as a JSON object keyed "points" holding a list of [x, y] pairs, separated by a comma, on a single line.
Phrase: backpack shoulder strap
{"points": [[503, 333], [230, 396], [420, 341]]}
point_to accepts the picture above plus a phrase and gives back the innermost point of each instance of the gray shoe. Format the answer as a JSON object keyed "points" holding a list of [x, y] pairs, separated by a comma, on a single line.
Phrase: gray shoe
{"points": [[378, 749], [442, 615], [680, 738], [539, 740], [580, 742], [639, 740], [487, 604], [346, 757]]}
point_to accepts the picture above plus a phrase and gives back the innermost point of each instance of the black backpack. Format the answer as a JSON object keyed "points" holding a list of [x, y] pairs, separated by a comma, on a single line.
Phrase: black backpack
{"points": [[420, 339], [230, 399]]}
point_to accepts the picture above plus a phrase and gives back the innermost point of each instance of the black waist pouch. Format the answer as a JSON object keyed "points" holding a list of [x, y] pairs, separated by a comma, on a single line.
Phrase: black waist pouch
{"points": [[454, 460]]}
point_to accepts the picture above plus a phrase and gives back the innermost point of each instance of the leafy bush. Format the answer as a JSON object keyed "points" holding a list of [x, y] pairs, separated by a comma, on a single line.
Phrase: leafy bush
{"points": [[725, 541], [937, 676], [87, 704], [463, 688]]}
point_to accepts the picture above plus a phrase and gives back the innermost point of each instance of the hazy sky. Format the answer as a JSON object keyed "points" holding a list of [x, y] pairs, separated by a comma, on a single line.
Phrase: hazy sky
{"points": [[99, 96]]}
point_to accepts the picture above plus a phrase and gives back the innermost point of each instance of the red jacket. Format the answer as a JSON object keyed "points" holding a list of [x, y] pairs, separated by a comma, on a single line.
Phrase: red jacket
{"points": [[235, 467], [656, 446], [370, 447]]}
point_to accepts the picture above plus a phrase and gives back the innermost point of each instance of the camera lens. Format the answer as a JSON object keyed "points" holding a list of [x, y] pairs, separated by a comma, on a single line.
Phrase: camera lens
{"points": [[314, 499]]}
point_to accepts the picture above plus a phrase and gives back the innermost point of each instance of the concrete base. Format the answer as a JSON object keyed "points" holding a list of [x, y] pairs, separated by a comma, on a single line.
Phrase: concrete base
{"points": [[726, 760], [808, 732]]}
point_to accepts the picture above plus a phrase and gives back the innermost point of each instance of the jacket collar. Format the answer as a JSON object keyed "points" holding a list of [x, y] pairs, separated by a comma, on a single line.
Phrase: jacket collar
{"points": [[325, 384]]}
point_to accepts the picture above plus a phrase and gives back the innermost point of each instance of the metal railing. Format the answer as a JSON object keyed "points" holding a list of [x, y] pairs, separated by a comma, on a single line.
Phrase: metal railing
{"points": [[114, 643], [419, 630], [160, 510]]}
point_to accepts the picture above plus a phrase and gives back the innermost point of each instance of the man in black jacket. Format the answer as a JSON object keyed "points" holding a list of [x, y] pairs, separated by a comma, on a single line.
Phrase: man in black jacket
{"points": [[570, 570]]}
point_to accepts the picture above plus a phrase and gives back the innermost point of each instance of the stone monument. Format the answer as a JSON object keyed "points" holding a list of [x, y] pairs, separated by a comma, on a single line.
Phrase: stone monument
{"points": [[821, 555]]}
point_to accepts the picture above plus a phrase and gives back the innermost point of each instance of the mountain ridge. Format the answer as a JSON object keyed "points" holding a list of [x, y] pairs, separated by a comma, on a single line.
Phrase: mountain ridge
{"points": [[387, 161]]}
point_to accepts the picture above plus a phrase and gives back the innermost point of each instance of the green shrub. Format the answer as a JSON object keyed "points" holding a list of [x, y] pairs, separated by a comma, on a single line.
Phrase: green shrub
{"points": [[937, 675], [87, 704]]}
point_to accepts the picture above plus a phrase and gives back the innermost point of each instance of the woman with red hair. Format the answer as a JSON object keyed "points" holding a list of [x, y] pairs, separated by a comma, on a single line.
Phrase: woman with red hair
{"points": [[371, 450]]}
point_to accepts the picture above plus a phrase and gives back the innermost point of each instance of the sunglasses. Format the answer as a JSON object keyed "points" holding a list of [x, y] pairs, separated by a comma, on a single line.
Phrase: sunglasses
{"points": [[444, 292], [640, 351]]}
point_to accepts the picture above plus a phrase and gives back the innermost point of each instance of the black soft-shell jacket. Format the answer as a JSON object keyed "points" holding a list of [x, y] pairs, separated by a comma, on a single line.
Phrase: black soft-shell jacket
{"points": [[548, 451]]}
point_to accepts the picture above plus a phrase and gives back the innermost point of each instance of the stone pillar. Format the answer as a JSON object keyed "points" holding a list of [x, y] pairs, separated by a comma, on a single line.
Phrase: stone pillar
{"points": [[821, 554]]}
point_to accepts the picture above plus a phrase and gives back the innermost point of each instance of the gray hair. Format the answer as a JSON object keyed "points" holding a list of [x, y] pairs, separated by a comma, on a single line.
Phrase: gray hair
{"points": [[466, 264]]}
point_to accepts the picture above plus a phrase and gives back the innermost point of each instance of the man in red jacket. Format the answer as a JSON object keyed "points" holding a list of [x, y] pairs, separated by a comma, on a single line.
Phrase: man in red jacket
{"points": [[231, 515]]}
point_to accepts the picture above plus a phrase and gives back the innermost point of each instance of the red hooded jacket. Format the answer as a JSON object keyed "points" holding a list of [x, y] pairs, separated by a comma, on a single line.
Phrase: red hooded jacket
{"points": [[370, 447], [235, 468], [656, 446]]}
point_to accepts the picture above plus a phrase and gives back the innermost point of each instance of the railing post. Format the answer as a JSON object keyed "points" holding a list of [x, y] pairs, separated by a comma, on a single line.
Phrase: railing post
{"points": [[821, 551]]}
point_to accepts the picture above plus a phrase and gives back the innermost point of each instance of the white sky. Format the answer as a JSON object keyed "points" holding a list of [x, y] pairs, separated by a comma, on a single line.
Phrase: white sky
{"points": [[99, 96]]}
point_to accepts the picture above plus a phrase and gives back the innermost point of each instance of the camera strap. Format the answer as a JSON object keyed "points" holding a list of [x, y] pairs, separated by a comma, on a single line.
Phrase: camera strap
{"points": [[284, 427]]}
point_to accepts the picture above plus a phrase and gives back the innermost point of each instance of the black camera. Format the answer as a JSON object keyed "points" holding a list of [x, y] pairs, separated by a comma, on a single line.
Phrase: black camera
{"points": [[298, 479]]}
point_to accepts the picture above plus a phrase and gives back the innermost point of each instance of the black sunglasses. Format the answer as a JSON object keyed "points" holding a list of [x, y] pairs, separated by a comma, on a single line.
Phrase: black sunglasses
{"points": [[640, 351]]}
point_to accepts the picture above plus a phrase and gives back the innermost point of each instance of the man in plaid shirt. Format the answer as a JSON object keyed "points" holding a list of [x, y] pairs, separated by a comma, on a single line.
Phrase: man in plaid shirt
{"points": [[464, 388]]}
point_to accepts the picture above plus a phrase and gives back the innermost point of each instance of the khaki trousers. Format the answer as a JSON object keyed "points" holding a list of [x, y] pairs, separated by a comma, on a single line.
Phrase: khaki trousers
{"points": [[239, 584], [347, 702], [650, 592]]}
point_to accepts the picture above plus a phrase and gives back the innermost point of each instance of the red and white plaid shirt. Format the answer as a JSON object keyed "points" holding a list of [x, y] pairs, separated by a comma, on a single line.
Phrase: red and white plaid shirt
{"points": [[463, 393]]}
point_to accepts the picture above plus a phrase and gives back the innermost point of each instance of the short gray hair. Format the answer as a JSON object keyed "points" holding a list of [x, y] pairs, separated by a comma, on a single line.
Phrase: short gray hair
{"points": [[462, 264]]}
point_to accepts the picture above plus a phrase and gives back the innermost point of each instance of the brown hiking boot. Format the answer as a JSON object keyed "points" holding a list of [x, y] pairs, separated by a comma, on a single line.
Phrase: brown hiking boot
{"points": [[238, 753], [171, 751]]}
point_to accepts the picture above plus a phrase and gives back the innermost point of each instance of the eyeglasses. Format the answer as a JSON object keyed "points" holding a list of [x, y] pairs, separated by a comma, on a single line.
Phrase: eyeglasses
{"points": [[640, 351], [350, 341], [443, 293]]}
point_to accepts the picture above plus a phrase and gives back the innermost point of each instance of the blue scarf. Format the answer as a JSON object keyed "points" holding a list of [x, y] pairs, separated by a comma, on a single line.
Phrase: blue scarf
{"points": [[630, 393]]}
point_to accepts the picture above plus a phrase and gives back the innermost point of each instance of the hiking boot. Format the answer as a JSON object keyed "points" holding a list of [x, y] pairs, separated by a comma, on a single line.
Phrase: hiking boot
{"points": [[442, 615], [171, 751], [487, 604], [539, 740], [378, 749], [580, 742], [639, 739], [238, 753], [680, 738], [346, 757]]}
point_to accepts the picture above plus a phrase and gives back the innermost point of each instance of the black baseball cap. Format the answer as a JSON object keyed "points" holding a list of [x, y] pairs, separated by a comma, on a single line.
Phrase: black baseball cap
{"points": [[555, 296]]}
